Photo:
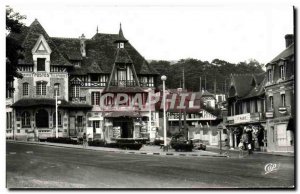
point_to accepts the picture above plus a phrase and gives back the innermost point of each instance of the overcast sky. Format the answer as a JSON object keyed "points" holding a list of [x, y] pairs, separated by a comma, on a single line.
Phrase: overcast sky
{"points": [[162, 32]]}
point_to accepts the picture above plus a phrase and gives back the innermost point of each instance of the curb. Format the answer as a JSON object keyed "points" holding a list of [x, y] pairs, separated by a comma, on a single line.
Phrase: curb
{"points": [[123, 151]]}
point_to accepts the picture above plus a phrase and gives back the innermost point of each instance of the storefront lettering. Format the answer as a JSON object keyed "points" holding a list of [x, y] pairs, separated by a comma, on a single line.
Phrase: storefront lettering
{"points": [[45, 74]]}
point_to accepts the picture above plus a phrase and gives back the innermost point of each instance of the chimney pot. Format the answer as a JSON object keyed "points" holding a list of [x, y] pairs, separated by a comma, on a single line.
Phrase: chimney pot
{"points": [[289, 39]]}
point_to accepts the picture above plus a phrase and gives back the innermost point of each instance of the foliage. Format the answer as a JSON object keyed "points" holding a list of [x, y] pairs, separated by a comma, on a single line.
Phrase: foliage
{"points": [[65, 140], [218, 70], [182, 146], [13, 48], [131, 145]]}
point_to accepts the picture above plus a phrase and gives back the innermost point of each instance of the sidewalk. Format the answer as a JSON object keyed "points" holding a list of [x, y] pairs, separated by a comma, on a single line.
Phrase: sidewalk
{"points": [[217, 149], [145, 150]]}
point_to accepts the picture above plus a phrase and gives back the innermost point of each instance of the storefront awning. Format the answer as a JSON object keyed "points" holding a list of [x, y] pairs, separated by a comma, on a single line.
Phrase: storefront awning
{"points": [[116, 114], [42, 102]]}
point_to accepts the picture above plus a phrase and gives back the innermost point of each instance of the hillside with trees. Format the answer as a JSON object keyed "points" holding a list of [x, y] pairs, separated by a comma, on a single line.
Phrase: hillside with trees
{"points": [[216, 71]]}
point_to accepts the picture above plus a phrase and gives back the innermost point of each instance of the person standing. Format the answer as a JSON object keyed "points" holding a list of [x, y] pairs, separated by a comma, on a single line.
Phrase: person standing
{"points": [[84, 139]]}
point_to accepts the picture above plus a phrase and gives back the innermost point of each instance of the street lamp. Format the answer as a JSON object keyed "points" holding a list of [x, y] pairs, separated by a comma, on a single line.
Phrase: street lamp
{"points": [[57, 102], [149, 101], [164, 78]]}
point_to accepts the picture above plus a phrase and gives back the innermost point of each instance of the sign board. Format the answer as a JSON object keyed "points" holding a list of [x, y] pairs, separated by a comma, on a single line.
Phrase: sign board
{"points": [[45, 74], [242, 118]]}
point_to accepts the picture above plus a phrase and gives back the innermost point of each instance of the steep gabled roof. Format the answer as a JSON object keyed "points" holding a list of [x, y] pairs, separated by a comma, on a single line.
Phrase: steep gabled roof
{"points": [[242, 84], [101, 50], [32, 35], [258, 90]]}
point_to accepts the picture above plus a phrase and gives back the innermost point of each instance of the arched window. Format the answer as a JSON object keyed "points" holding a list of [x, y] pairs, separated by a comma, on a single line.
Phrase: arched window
{"points": [[25, 89], [57, 89], [58, 119], [25, 119]]}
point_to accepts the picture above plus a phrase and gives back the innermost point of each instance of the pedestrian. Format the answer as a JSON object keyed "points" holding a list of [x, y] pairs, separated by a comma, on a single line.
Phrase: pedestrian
{"points": [[84, 140], [241, 148]]}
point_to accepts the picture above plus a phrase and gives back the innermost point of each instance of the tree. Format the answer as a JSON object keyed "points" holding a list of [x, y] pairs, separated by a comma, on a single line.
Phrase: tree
{"points": [[13, 47]]}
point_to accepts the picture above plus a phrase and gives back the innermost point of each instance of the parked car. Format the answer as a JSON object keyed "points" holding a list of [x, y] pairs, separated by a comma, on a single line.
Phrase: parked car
{"points": [[199, 144]]}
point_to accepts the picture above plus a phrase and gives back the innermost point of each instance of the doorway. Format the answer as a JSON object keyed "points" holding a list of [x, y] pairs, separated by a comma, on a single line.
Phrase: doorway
{"points": [[42, 119]]}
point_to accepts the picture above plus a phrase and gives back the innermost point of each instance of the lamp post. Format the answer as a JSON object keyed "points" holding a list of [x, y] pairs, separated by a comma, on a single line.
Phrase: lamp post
{"points": [[149, 101], [56, 111], [164, 78]]}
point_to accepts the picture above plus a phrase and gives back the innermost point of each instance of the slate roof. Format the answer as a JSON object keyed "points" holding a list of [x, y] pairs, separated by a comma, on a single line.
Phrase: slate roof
{"points": [[242, 83], [244, 87], [32, 102], [29, 40], [289, 51], [101, 51]]}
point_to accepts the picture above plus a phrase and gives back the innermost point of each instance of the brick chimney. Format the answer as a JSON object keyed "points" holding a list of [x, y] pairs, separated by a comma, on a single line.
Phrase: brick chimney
{"points": [[82, 45], [289, 39]]}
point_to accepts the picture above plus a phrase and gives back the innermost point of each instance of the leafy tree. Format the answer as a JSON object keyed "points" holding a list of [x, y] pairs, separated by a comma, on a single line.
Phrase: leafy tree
{"points": [[13, 48]]}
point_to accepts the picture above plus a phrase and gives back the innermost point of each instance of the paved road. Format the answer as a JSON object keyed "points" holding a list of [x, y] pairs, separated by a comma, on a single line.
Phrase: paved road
{"points": [[36, 166]]}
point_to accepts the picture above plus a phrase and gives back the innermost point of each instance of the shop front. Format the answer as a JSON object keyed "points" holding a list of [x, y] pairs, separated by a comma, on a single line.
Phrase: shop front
{"points": [[123, 125], [251, 123]]}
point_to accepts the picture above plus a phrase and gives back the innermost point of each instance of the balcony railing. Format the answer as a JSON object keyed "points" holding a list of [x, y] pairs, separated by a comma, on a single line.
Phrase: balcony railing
{"points": [[123, 83], [77, 99], [88, 84]]}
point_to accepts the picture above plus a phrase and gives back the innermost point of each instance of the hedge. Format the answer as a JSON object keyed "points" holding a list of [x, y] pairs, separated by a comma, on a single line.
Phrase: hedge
{"points": [[182, 146], [65, 140], [131, 145]]}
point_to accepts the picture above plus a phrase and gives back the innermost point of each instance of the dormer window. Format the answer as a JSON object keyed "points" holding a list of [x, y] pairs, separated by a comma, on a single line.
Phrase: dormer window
{"points": [[41, 64], [282, 70], [121, 45], [269, 75]]}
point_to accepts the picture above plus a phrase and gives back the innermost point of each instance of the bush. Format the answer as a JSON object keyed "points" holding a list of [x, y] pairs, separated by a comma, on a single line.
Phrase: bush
{"points": [[123, 144], [130, 146], [182, 146], [65, 140], [158, 142]]}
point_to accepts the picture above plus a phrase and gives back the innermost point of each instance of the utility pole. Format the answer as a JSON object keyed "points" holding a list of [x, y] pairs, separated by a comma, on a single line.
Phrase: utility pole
{"points": [[225, 88], [215, 86], [184, 113], [183, 80], [200, 85], [205, 83]]}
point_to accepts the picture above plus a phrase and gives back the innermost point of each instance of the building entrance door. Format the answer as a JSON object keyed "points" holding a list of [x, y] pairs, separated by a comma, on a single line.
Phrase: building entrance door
{"points": [[42, 119], [72, 126]]}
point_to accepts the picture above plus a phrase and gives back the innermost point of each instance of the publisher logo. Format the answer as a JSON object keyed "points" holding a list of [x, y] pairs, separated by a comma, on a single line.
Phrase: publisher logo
{"points": [[271, 167]]}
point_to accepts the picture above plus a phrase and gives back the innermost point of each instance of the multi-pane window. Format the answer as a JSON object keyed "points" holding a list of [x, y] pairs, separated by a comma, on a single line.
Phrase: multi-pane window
{"points": [[95, 98], [25, 119], [41, 88], [75, 90], [25, 89], [283, 99], [80, 121], [269, 75], [282, 71], [58, 119], [57, 89], [151, 81], [271, 102], [41, 64]]}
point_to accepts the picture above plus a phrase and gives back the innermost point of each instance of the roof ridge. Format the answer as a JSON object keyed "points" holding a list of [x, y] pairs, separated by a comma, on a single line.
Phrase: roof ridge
{"points": [[66, 38]]}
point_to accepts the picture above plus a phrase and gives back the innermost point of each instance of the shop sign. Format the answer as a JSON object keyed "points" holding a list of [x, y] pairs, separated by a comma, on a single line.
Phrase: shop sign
{"points": [[45, 74], [242, 118], [269, 114]]}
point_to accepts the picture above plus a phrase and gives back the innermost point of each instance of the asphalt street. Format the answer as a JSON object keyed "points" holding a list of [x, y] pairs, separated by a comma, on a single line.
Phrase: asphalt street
{"points": [[37, 166]]}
